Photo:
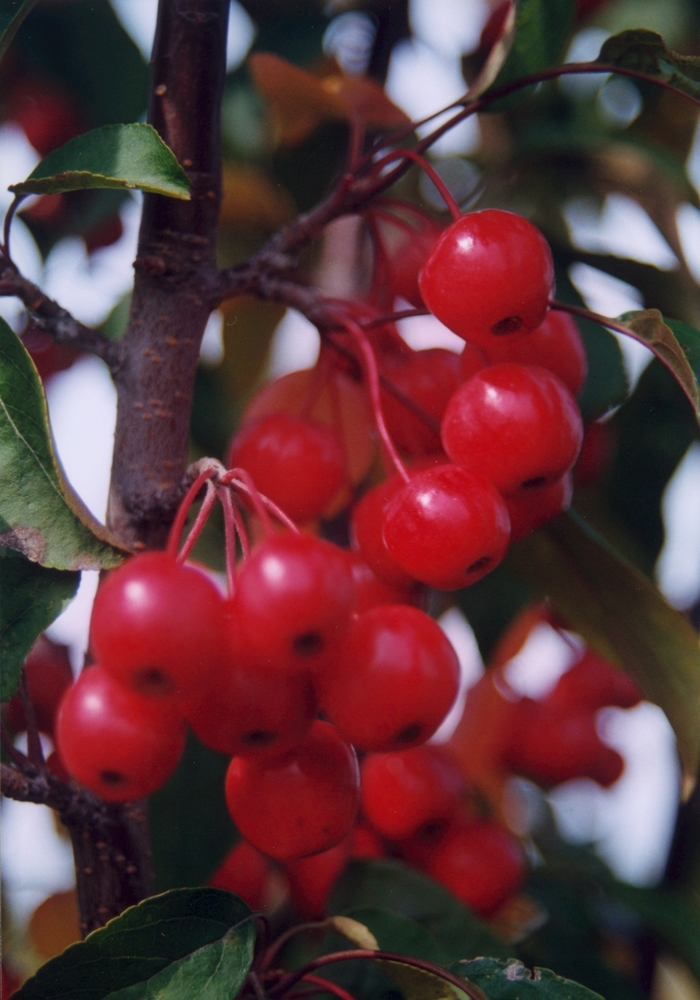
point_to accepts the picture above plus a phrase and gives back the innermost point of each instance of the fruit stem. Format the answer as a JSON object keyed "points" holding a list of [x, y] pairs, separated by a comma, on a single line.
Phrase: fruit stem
{"points": [[373, 384], [328, 986], [410, 154], [184, 508], [233, 524], [201, 519]]}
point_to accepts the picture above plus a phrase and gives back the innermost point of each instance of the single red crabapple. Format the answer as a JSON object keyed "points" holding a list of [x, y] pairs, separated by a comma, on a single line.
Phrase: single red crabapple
{"points": [[371, 591], [49, 674], [556, 345], [366, 532], [365, 843], [447, 527], [532, 508], [296, 462], [517, 425], [404, 791], [116, 743], [292, 603], [394, 680], [592, 683], [406, 261], [246, 872], [158, 626], [597, 453], [301, 804], [490, 275], [428, 378], [311, 880], [481, 863], [550, 744], [246, 712]]}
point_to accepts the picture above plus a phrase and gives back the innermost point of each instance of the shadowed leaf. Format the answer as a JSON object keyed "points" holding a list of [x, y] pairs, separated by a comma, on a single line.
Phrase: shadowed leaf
{"points": [[186, 943], [676, 344], [510, 980], [12, 13], [647, 52]]}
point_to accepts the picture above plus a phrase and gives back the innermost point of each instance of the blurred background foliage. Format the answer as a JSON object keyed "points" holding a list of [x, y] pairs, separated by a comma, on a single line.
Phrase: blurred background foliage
{"points": [[564, 148]]}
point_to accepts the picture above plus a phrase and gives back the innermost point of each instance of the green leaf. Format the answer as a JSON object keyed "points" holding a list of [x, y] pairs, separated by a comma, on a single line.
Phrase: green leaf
{"points": [[411, 894], [31, 597], [115, 156], [542, 30], [419, 984], [646, 51], [40, 515], [12, 13], [619, 612], [676, 344], [183, 944], [510, 980]]}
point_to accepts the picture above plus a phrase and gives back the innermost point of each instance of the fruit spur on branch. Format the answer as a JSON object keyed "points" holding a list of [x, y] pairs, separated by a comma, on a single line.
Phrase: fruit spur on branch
{"points": [[318, 672]]}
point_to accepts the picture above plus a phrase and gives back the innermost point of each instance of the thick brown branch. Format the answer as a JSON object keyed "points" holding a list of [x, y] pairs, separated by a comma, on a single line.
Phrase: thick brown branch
{"points": [[55, 320], [175, 271]]}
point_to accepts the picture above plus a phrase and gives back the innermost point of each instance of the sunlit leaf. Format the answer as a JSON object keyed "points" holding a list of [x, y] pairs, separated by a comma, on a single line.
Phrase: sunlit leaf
{"points": [[646, 51], [510, 980], [40, 515], [115, 156], [12, 13], [186, 943], [621, 614], [31, 597]]}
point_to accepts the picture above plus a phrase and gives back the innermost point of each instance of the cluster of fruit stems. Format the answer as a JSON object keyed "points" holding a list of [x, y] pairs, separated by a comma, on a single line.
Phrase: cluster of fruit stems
{"points": [[366, 176]]}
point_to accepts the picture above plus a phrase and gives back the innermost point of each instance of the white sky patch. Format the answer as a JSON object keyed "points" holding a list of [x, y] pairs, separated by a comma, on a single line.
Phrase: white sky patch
{"points": [[138, 18], [211, 352], [421, 81], [688, 219], [451, 27], [585, 46], [693, 164], [422, 332], [295, 345], [535, 670], [678, 566], [623, 228]]}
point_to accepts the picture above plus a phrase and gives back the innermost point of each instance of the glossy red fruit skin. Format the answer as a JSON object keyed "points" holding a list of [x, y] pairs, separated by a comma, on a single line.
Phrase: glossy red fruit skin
{"points": [[366, 532], [296, 462], [301, 804], [119, 745], [447, 527], [550, 744], [530, 509], [556, 345], [158, 626], [404, 791], [517, 425], [246, 712], [292, 602], [49, 675], [246, 872], [490, 275], [428, 378], [481, 863], [371, 591], [394, 681]]}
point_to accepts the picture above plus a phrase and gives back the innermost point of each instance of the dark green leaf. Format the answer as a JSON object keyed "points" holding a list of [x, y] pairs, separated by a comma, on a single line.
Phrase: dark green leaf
{"points": [[183, 944], [12, 13], [40, 515], [647, 52], [31, 597], [115, 156], [542, 29], [399, 934], [407, 892], [418, 984], [619, 612], [673, 916], [676, 344], [510, 980]]}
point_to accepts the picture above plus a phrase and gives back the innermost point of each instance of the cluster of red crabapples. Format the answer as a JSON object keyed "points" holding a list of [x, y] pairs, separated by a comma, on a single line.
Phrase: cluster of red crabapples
{"points": [[318, 652]]}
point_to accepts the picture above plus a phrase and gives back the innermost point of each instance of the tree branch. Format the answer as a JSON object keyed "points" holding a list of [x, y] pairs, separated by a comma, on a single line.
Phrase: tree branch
{"points": [[47, 315]]}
